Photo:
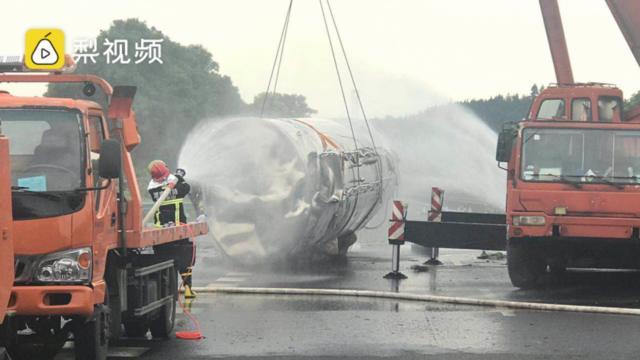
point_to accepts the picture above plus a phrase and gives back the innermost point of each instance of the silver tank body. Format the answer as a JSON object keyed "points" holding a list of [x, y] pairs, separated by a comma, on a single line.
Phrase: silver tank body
{"points": [[277, 188]]}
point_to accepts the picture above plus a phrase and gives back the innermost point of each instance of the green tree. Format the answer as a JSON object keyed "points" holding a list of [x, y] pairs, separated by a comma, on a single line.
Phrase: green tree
{"points": [[281, 105], [534, 90], [171, 97], [499, 109], [633, 101]]}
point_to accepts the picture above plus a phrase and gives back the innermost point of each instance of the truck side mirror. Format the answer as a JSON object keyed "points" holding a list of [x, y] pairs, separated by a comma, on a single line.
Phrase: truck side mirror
{"points": [[505, 144], [110, 159]]}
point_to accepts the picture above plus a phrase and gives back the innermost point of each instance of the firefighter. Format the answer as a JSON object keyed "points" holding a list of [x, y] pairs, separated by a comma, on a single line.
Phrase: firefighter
{"points": [[172, 208], [171, 212]]}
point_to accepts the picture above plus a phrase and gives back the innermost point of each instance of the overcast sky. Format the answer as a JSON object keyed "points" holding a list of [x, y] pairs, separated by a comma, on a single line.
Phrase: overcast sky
{"points": [[406, 54]]}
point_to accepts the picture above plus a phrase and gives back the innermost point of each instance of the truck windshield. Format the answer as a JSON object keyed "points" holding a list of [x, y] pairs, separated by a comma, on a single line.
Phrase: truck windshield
{"points": [[46, 161], [581, 156]]}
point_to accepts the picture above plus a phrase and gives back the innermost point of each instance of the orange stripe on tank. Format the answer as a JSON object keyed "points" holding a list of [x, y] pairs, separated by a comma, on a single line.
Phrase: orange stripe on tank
{"points": [[326, 140]]}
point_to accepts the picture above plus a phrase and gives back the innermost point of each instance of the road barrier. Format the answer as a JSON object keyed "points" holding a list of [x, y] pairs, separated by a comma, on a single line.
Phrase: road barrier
{"points": [[396, 238], [435, 215], [437, 199]]}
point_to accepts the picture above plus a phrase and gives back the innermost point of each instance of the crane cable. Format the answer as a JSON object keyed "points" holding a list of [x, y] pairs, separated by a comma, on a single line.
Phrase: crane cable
{"points": [[344, 98], [277, 60], [355, 88], [277, 64], [364, 114]]}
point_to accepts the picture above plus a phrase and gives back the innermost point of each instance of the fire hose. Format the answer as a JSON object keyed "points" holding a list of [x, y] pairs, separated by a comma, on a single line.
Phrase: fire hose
{"points": [[195, 334], [372, 294], [157, 204]]}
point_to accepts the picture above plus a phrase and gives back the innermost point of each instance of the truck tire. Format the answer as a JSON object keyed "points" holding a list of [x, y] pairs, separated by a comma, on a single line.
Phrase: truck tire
{"points": [[115, 314], [162, 326], [136, 328], [524, 263], [92, 337]]}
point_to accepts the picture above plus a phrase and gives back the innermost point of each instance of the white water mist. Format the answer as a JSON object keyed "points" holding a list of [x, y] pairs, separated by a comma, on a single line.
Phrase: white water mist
{"points": [[448, 147], [285, 188]]}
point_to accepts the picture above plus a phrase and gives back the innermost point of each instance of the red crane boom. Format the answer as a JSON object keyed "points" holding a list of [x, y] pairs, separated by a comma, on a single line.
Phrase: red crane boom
{"points": [[627, 15], [557, 41]]}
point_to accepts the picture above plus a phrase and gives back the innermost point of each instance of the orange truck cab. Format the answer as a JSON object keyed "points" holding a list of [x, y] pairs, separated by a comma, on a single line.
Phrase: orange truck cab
{"points": [[85, 264], [573, 183], [6, 243]]}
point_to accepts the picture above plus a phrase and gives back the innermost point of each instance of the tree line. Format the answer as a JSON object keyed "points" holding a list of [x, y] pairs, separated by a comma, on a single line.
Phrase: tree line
{"points": [[188, 87], [500, 109], [174, 95]]}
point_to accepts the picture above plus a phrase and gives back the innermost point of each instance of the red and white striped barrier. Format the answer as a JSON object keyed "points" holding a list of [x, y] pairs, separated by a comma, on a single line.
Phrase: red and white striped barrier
{"points": [[396, 238], [398, 217], [437, 198], [435, 215]]}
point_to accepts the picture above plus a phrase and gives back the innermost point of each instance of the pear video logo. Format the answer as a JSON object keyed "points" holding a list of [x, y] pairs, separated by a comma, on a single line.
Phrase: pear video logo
{"points": [[44, 49], [45, 53]]}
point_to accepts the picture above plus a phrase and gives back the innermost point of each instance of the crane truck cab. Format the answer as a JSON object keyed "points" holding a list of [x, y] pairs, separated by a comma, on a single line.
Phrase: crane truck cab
{"points": [[77, 224], [573, 183]]}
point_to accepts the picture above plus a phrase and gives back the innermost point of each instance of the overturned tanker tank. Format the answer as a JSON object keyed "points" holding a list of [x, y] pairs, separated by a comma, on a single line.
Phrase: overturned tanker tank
{"points": [[281, 188]]}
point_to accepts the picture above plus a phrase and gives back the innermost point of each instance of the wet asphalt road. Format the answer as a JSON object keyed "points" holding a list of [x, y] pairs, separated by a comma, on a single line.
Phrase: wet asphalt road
{"points": [[273, 327]]}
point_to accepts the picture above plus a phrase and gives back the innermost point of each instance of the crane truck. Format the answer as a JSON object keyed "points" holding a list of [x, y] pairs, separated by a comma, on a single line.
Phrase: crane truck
{"points": [[573, 183], [572, 170], [86, 267]]}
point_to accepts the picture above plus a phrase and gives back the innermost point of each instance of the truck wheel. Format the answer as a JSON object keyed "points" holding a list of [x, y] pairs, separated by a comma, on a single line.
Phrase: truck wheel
{"points": [[92, 337], [136, 328], [524, 264], [115, 314], [162, 326], [558, 270]]}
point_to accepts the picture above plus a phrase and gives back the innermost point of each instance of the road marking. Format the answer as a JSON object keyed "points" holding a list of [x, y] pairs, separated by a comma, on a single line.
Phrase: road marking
{"points": [[507, 313], [114, 352], [128, 352], [486, 292], [230, 279], [217, 284], [243, 274]]}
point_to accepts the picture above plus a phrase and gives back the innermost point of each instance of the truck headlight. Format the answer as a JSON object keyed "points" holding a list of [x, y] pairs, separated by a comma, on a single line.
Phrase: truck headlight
{"points": [[65, 266], [528, 220]]}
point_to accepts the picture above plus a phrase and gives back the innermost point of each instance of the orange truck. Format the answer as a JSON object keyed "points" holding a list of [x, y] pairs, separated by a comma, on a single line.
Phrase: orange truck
{"points": [[85, 265], [6, 243], [573, 184], [573, 168], [573, 174]]}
